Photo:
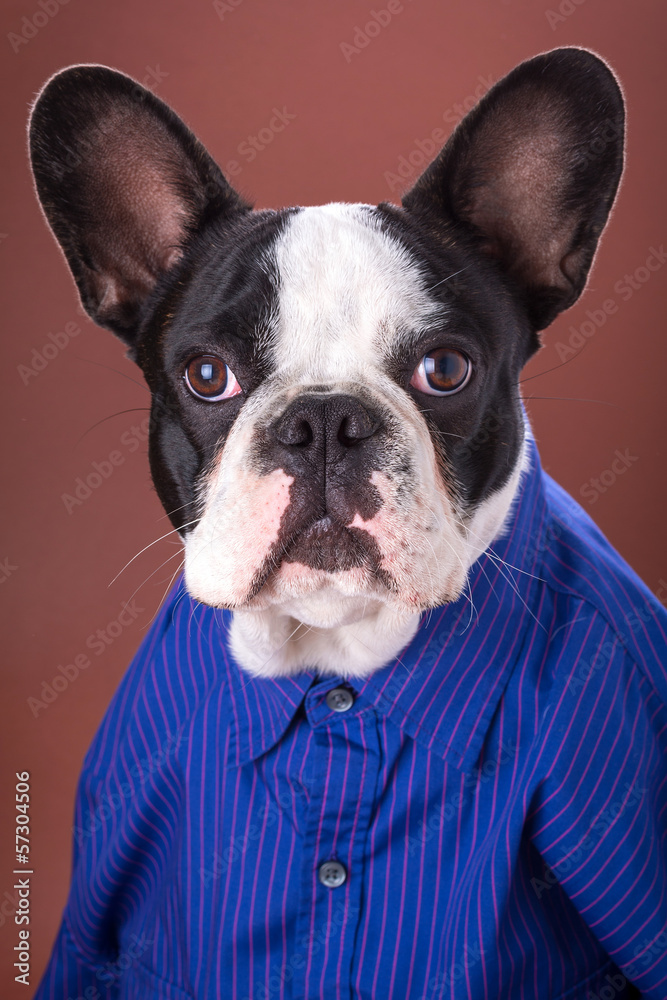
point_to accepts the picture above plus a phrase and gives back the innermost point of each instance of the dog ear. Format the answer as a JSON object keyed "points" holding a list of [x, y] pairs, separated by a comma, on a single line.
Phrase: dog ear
{"points": [[123, 184], [532, 172]]}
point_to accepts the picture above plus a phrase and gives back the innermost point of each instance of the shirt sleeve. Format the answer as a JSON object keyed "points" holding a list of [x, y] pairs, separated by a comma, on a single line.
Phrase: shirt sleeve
{"points": [[75, 971], [600, 819], [69, 975], [125, 832]]}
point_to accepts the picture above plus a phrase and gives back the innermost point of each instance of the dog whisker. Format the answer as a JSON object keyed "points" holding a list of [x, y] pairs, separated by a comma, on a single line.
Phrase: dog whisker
{"points": [[494, 555], [110, 368], [188, 503], [554, 369], [448, 278], [499, 563], [169, 586], [133, 409], [156, 570], [150, 544], [572, 399], [303, 625]]}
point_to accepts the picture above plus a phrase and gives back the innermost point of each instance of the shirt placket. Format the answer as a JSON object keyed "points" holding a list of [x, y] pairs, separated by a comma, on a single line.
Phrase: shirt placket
{"points": [[343, 779]]}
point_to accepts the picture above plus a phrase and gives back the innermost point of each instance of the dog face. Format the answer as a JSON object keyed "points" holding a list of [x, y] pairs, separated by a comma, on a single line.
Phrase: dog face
{"points": [[335, 480], [336, 429]]}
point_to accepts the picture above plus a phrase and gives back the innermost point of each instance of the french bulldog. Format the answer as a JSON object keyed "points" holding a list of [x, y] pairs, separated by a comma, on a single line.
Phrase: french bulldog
{"points": [[337, 435]]}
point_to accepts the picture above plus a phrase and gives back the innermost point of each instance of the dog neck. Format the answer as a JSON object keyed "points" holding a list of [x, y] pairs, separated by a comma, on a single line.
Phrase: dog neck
{"points": [[274, 642]]}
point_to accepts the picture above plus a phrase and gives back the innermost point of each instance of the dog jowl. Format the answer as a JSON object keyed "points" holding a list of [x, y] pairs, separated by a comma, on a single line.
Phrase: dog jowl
{"points": [[337, 430]]}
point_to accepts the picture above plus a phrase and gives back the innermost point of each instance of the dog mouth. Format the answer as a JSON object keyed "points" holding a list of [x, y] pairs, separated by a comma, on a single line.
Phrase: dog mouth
{"points": [[323, 546], [330, 546]]}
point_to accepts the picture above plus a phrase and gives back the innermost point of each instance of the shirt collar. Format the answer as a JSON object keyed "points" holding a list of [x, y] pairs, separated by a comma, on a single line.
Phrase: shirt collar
{"points": [[444, 687]]}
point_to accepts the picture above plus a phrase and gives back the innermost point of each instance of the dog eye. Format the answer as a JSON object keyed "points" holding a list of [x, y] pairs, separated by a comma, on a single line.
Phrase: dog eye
{"points": [[209, 378], [442, 372]]}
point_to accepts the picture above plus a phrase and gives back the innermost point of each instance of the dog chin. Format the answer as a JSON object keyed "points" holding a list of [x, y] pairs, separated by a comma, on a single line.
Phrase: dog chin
{"points": [[320, 598], [349, 637], [328, 607], [327, 598], [342, 623]]}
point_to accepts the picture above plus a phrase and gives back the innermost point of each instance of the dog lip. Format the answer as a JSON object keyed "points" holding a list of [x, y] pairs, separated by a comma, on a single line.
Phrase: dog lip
{"points": [[319, 527], [323, 529], [328, 544], [325, 544]]}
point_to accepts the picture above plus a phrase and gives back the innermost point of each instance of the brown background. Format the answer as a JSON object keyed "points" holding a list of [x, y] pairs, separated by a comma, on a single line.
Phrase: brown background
{"points": [[354, 118]]}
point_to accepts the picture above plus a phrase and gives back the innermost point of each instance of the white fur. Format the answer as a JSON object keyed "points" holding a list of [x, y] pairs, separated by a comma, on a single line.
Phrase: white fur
{"points": [[348, 293]]}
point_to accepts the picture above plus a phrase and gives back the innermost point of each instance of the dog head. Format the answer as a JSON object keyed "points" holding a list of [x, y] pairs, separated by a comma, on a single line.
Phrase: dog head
{"points": [[337, 430]]}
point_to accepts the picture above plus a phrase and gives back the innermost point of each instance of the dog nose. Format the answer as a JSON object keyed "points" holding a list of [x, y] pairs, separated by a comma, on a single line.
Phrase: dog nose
{"points": [[331, 423]]}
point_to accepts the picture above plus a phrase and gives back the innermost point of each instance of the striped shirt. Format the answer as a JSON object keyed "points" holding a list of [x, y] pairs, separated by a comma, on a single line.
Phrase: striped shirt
{"points": [[484, 817]]}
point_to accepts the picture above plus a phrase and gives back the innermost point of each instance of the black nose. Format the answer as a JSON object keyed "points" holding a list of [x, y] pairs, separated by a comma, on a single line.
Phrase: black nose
{"points": [[331, 424]]}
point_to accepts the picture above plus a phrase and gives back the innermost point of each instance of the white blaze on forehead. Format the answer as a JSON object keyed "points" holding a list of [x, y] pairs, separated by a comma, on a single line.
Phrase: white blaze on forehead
{"points": [[347, 290]]}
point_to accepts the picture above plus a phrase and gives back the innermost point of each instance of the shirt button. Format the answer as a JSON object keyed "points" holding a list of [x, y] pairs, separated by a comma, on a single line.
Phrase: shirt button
{"points": [[332, 874], [340, 699]]}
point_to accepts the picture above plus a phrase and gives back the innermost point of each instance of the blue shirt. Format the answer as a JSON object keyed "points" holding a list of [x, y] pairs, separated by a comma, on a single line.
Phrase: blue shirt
{"points": [[484, 817]]}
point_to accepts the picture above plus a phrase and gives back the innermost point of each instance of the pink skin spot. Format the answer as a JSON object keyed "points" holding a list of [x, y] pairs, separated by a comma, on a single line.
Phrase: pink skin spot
{"points": [[233, 539], [267, 500], [385, 526]]}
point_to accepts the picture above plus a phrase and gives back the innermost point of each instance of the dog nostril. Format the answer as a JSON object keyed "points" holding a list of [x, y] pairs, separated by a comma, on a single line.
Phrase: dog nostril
{"points": [[356, 427], [296, 433], [303, 434]]}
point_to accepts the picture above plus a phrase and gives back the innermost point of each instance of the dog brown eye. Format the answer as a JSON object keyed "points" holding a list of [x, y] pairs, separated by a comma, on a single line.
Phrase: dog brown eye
{"points": [[442, 372], [209, 378]]}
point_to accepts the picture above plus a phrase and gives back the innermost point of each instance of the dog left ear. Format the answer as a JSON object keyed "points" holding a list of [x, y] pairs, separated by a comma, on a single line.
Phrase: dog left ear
{"points": [[124, 185], [531, 173]]}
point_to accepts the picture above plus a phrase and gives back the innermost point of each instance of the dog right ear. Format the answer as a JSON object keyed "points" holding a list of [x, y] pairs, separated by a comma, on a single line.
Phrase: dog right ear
{"points": [[531, 174], [124, 184]]}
